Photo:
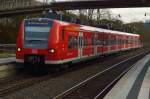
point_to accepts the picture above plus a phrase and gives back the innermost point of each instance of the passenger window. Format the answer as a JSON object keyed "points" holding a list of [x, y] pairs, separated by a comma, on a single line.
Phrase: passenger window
{"points": [[63, 34], [93, 39], [98, 40], [85, 42], [73, 42]]}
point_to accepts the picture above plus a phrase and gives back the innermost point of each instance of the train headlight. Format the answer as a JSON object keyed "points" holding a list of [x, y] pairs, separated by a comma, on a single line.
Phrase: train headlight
{"points": [[51, 50], [18, 49]]}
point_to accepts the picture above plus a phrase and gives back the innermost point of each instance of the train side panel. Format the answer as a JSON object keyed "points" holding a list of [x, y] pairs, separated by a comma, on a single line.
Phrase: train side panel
{"points": [[69, 43]]}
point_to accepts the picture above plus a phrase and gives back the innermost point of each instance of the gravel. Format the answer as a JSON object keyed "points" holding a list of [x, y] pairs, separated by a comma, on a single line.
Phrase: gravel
{"points": [[55, 85]]}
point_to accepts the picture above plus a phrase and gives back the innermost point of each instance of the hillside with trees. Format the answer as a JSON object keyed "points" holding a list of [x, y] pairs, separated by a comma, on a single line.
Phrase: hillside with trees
{"points": [[102, 18]]}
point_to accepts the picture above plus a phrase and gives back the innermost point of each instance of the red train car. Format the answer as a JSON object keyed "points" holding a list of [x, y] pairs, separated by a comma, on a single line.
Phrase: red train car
{"points": [[47, 41]]}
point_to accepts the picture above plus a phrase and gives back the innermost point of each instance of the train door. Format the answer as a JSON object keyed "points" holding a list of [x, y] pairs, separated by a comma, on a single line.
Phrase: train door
{"points": [[99, 43], [93, 43], [109, 42], [80, 42]]}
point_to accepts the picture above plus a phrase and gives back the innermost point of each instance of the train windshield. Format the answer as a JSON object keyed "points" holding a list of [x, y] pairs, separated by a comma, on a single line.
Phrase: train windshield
{"points": [[36, 33]]}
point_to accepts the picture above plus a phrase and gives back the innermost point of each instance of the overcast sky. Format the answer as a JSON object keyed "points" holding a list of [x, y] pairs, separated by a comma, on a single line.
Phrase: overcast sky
{"points": [[127, 14], [132, 14]]}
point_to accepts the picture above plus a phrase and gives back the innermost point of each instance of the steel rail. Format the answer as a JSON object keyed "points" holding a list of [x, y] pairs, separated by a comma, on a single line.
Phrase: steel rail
{"points": [[113, 82], [61, 95]]}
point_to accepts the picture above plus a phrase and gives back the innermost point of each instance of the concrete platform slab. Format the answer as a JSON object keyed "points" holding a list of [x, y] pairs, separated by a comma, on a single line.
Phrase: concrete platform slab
{"points": [[145, 88], [128, 87]]}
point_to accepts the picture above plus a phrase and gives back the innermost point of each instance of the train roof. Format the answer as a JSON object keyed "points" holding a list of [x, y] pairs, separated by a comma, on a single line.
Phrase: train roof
{"points": [[86, 28], [95, 29]]}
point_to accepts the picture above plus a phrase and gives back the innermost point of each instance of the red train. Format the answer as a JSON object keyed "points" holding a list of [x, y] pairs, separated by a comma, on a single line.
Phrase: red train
{"points": [[50, 41]]}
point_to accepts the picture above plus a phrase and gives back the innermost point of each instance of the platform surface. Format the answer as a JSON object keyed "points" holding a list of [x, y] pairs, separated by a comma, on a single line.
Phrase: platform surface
{"points": [[145, 89], [135, 84], [7, 60]]}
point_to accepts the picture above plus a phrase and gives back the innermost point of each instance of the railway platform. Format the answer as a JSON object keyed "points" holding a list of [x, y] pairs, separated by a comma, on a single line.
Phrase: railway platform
{"points": [[135, 84], [7, 60]]}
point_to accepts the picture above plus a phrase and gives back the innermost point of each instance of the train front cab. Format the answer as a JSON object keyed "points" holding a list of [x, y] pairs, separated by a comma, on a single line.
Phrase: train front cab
{"points": [[37, 41]]}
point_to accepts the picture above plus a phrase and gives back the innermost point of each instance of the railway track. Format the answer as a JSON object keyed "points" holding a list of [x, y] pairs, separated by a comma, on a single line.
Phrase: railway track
{"points": [[97, 86], [8, 86]]}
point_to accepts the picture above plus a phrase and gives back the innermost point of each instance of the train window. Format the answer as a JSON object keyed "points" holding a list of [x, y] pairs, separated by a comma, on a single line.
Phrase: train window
{"points": [[109, 40], [97, 40], [93, 39], [63, 34], [85, 42], [76, 42], [112, 42], [36, 33], [105, 42], [130, 40], [122, 41], [118, 41], [73, 42], [70, 42], [127, 41]]}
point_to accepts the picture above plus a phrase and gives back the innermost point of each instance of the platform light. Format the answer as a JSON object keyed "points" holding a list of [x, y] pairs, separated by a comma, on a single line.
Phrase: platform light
{"points": [[18, 49]]}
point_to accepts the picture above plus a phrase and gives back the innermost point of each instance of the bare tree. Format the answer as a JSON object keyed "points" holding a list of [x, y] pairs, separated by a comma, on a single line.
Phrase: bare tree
{"points": [[90, 14], [103, 14]]}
